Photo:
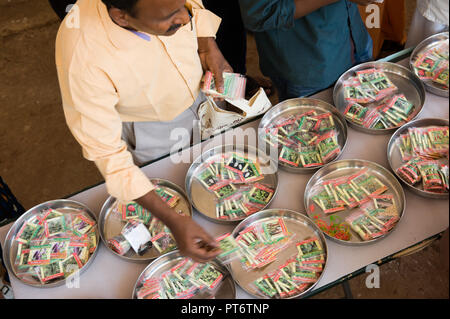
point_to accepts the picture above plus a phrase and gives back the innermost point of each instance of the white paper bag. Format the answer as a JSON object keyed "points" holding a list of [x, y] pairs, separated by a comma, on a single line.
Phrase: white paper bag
{"points": [[214, 120]]}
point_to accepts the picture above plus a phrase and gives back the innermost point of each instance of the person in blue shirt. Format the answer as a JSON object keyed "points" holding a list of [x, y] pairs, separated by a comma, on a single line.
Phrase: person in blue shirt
{"points": [[305, 45]]}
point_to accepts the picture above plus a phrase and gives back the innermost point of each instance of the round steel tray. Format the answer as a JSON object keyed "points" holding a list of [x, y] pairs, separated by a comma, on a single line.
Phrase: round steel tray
{"points": [[10, 247], [110, 225], [406, 81], [298, 106], [425, 45], [297, 223], [395, 160], [348, 167], [204, 201], [226, 290]]}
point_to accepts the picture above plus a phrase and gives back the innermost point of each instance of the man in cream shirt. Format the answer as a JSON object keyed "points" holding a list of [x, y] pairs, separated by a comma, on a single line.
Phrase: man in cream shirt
{"points": [[129, 73]]}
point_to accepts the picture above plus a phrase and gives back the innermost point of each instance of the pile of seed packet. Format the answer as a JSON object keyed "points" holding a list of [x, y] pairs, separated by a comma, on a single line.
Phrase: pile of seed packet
{"points": [[374, 102], [363, 192], [142, 230], [432, 65], [425, 152], [234, 86], [304, 140], [53, 245], [185, 280], [297, 274], [235, 181], [260, 244]]}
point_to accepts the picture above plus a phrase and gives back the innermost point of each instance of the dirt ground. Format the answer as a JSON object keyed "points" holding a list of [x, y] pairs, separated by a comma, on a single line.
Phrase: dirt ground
{"points": [[40, 160]]}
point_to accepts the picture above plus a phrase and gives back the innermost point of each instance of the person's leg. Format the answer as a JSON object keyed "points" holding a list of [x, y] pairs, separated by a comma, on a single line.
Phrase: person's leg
{"points": [[231, 39], [150, 140], [60, 7], [231, 36]]}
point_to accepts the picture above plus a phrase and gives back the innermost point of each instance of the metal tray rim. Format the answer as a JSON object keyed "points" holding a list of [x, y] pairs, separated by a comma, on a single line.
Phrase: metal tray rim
{"points": [[276, 212], [110, 200], [428, 41], [393, 179], [415, 123], [22, 218], [198, 161], [420, 89], [284, 106], [172, 255]]}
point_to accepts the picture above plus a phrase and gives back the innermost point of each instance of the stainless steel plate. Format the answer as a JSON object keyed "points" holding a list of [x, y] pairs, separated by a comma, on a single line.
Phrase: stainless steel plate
{"points": [[395, 160], [10, 249], [298, 224], [425, 45], [226, 290], [298, 106], [406, 81], [349, 167], [111, 225], [203, 200]]}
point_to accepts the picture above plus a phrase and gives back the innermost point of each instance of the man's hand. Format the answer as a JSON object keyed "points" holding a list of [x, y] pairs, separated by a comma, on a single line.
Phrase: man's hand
{"points": [[213, 60], [192, 240]]}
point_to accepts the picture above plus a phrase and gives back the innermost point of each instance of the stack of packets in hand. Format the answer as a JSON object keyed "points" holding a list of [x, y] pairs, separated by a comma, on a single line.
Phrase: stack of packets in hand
{"points": [[361, 190], [184, 280], [234, 86], [142, 230], [423, 149], [297, 274], [53, 245], [233, 178], [432, 65], [305, 140], [373, 102]]}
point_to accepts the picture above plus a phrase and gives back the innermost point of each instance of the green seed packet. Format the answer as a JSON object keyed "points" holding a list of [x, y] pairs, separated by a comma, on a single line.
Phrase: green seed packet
{"points": [[289, 156], [261, 194], [209, 276]]}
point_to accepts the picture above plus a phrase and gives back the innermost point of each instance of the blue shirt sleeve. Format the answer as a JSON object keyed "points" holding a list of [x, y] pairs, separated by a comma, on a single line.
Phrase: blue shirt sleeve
{"points": [[264, 15]]}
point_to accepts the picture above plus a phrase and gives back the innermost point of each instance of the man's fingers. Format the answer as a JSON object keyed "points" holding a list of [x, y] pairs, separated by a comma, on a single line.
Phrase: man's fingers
{"points": [[218, 77]]}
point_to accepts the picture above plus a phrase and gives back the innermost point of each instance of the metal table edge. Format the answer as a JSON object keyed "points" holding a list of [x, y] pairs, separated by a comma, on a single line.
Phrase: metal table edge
{"points": [[362, 270]]}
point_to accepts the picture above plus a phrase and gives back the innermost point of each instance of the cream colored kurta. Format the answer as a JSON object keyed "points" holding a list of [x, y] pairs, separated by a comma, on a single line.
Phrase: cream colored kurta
{"points": [[109, 75]]}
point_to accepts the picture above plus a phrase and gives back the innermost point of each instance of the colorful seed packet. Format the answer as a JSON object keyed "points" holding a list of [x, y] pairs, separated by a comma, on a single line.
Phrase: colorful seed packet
{"points": [[59, 247], [51, 271], [266, 286], [261, 194], [119, 244], [289, 156], [71, 264], [209, 276], [82, 224], [27, 232], [237, 163], [229, 247], [55, 226], [164, 242], [39, 255], [225, 190], [309, 247], [310, 157]]}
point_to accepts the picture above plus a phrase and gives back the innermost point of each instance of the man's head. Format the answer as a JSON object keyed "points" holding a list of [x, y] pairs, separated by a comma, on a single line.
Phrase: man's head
{"points": [[158, 17]]}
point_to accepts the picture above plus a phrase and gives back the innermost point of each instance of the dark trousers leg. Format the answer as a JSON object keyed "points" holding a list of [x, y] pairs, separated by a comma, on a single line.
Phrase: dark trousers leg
{"points": [[231, 37], [59, 6]]}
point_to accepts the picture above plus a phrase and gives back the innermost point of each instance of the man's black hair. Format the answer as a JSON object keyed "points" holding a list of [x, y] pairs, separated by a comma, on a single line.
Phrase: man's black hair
{"points": [[125, 5]]}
